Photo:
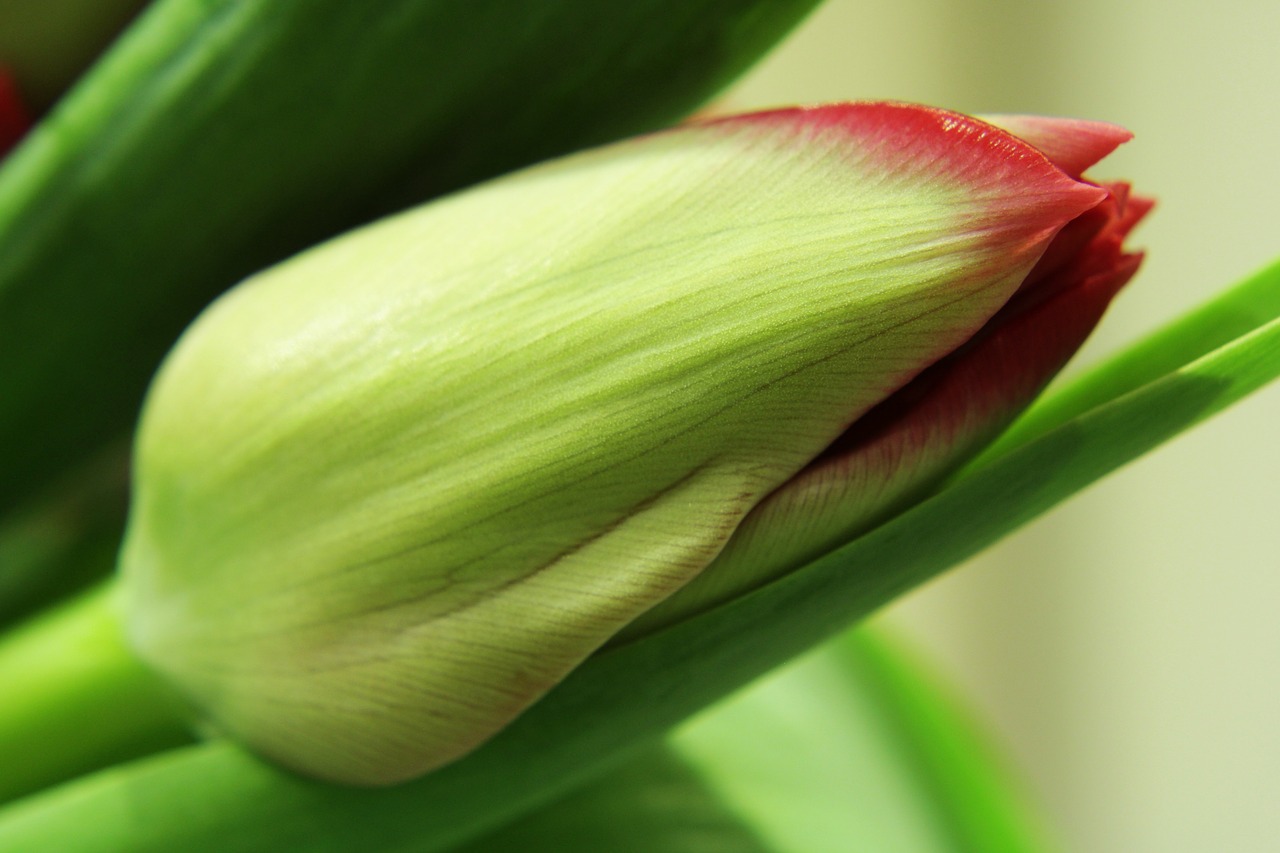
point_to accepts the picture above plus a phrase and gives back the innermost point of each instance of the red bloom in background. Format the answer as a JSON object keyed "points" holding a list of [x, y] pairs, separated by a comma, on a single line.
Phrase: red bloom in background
{"points": [[13, 116]]}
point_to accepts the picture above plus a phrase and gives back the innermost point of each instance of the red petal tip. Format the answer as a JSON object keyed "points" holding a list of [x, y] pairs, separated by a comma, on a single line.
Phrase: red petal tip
{"points": [[951, 148], [1073, 145]]}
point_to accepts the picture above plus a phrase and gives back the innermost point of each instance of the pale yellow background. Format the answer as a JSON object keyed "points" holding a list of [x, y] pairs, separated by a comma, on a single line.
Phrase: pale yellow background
{"points": [[1127, 646]]}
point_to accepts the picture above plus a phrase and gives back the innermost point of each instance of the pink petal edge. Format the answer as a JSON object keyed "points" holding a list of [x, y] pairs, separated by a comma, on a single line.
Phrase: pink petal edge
{"points": [[936, 145], [1073, 145]]}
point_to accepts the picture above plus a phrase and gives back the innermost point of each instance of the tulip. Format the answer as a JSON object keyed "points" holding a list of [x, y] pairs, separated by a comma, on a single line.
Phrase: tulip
{"points": [[390, 492]]}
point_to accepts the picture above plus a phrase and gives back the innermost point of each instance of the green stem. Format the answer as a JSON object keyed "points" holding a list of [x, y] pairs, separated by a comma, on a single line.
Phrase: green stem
{"points": [[76, 699]]}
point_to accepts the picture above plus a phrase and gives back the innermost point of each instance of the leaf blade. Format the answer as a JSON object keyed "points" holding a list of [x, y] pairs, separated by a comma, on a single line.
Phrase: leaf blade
{"points": [[654, 801], [859, 746]]}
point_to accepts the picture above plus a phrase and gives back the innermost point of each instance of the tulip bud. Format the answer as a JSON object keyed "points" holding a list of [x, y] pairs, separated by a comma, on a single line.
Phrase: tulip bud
{"points": [[393, 490]]}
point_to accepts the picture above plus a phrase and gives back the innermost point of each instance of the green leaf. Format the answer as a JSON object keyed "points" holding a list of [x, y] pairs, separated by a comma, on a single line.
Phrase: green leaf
{"points": [[974, 793], [216, 797], [858, 746], [221, 135], [654, 802], [75, 699], [855, 746]]}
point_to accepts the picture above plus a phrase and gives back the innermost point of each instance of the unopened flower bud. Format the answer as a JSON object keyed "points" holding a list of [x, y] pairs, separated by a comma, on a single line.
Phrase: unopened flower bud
{"points": [[393, 490]]}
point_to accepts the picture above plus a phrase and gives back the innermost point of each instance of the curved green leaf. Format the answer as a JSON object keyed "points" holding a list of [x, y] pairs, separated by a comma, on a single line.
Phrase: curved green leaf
{"points": [[653, 802], [858, 746], [854, 746], [75, 699], [976, 796]]}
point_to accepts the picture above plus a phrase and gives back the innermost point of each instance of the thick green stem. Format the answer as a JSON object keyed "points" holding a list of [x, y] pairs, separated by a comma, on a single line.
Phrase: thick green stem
{"points": [[74, 698]]}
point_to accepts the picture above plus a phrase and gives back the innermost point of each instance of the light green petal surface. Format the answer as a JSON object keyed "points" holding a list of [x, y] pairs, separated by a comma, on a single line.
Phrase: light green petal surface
{"points": [[394, 489]]}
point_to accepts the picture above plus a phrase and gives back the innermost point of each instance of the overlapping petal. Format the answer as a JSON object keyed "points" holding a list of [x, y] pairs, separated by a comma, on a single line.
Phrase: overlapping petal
{"points": [[907, 444]]}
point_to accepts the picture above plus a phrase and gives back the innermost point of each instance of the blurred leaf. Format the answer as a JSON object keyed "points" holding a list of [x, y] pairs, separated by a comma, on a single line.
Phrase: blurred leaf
{"points": [[653, 802], [216, 797], [857, 747], [976, 796], [75, 699]]}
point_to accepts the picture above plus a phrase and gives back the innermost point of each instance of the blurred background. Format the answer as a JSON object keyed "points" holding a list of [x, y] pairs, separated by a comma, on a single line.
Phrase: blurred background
{"points": [[1125, 648]]}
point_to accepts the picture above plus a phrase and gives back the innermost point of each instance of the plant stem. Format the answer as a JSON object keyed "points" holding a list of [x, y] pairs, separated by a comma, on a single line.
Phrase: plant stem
{"points": [[76, 699]]}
